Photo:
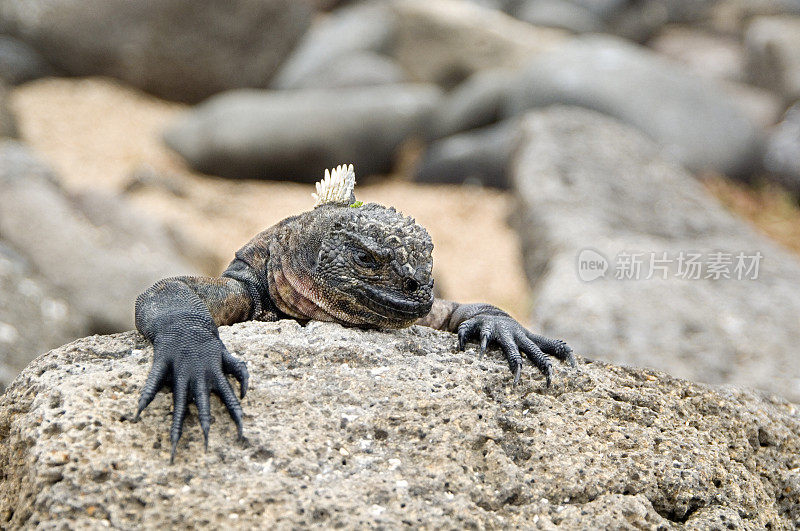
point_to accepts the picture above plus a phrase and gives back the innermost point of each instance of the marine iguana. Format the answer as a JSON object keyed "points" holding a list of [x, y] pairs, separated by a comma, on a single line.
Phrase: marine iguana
{"points": [[356, 264]]}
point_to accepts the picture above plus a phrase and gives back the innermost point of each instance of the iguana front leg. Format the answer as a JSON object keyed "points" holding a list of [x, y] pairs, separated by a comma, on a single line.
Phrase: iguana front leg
{"points": [[492, 325], [180, 316]]}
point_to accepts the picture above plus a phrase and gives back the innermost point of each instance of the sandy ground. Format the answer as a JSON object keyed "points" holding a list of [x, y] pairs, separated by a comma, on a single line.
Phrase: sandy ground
{"points": [[99, 135]]}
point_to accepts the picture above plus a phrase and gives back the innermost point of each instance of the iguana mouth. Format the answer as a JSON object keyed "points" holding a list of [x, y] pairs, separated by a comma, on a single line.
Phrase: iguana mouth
{"points": [[390, 305]]}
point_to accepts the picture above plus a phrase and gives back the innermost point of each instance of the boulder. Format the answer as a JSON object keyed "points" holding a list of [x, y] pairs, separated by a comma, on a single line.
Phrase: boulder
{"points": [[691, 118], [733, 16], [480, 156], [363, 27], [705, 53], [168, 47], [355, 429], [358, 69], [773, 54], [762, 107], [297, 134], [34, 317], [782, 155], [8, 124], [596, 199], [639, 21], [19, 62], [478, 101], [562, 14], [98, 269], [446, 41]]}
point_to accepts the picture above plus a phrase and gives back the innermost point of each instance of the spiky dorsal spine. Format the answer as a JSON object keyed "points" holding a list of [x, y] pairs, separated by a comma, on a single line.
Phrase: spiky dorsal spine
{"points": [[336, 187]]}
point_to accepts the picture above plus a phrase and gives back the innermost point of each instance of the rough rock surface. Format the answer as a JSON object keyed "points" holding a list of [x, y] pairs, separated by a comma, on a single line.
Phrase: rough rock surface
{"points": [[297, 134], [33, 318], [773, 54], [19, 62], [168, 47], [692, 118], [351, 428], [98, 269], [587, 182], [446, 41]]}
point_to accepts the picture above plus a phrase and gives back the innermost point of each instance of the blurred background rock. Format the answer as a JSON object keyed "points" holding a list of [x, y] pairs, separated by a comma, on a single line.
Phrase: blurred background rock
{"points": [[141, 140]]}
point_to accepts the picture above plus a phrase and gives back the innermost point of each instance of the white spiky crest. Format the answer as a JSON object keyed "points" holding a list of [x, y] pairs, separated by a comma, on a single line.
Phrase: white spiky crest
{"points": [[336, 187]]}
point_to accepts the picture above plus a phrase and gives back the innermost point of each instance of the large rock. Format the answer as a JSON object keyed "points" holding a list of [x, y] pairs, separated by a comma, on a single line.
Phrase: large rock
{"points": [[733, 16], [98, 269], [478, 101], [297, 134], [34, 318], [705, 53], [354, 429], [359, 69], [762, 107], [480, 156], [446, 41], [596, 193], [782, 155], [692, 118], [773, 54], [19, 62], [640, 20], [562, 14], [365, 27], [8, 123], [171, 48]]}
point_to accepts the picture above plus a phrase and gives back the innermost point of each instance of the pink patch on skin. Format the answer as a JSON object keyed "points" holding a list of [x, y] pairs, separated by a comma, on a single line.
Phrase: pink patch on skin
{"points": [[291, 300], [304, 289]]}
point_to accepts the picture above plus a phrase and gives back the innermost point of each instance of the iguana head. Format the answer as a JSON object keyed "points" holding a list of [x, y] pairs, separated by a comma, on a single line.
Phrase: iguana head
{"points": [[373, 265]]}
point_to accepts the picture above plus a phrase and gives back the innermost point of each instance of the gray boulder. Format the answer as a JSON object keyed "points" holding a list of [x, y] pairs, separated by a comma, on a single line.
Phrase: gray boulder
{"points": [[98, 269], [19, 62], [773, 54], [596, 198], [8, 124], [707, 54], [642, 19], [478, 101], [480, 156], [691, 118], [782, 155], [34, 317], [446, 41], [762, 107], [363, 27], [171, 48], [358, 69], [296, 135], [562, 14], [733, 17], [357, 429]]}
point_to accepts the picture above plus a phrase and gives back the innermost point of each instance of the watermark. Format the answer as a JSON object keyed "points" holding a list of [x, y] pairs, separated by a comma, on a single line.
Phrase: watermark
{"points": [[683, 265]]}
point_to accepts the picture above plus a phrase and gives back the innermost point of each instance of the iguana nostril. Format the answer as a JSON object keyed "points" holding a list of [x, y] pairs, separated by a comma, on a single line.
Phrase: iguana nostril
{"points": [[410, 285]]}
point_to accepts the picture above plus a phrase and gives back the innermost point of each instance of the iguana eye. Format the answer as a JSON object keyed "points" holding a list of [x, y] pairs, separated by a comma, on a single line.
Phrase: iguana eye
{"points": [[364, 259]]}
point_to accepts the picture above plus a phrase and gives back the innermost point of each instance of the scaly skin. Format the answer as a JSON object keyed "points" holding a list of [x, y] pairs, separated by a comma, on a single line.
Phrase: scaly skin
{"points": [[368, 267]]}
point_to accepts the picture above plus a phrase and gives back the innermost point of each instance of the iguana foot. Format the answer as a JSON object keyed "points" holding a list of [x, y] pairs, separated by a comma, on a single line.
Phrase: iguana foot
{"points": [[194, 367], [513, 338]]}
